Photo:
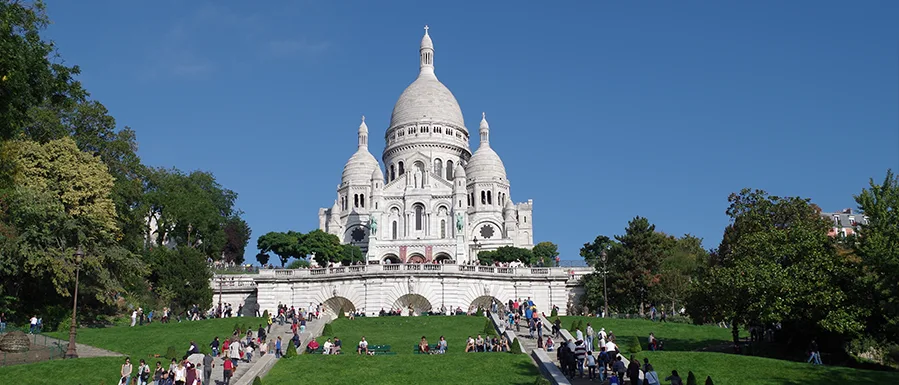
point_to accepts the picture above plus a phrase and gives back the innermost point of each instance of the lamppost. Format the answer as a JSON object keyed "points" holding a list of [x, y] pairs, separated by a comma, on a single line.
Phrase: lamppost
{"points": [[603, 257], [71, 352], [221, 280], [477, 248]]}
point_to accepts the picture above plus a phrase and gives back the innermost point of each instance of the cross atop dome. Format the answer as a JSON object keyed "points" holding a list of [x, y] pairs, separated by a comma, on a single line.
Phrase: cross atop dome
{"points": [[426, 54], [426, 29]]}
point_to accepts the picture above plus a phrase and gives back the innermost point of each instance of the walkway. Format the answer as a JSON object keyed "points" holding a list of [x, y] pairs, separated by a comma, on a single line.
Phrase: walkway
{"points": [[84, 351]]}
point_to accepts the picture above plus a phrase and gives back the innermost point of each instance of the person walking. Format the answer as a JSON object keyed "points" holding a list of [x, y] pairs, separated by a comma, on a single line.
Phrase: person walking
{"points": [[590, 334]]}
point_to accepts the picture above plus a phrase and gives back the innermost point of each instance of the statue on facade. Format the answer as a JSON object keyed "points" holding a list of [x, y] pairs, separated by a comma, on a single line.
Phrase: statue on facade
{"points": [[411, 286], [374, 226], [459, 221]]}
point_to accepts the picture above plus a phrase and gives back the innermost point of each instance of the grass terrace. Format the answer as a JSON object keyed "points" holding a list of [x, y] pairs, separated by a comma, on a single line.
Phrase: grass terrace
{"points": [[403, 335], [139, 342], [675, 336]]}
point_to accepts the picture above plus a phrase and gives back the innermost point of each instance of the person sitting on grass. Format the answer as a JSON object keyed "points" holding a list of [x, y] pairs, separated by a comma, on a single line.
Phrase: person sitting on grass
{"points": [[494, 344], [479, 343], [469, 345], [326, 348], [363, 346], [313, 345], [337, 346], [653, 342], [441, 346], [503, 345], [423, 346]]}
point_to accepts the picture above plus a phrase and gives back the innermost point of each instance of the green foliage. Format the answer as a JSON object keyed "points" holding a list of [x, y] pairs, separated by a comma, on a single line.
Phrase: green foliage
{"points": [[633, 264], [506, 254], [545, 253], [541, 381], [284, 245], [171, 353], [341, 313], [350, 254], [291, 350], [479, 312], [515, 347], [691, 378], [265, 314], [573, 326], [183, 272], [328, 330], [592, 252], [237, 234], [257, 381], [326, 247], [298, 263], [633, 345], [554, 313], [262, 258], [489, 330]]}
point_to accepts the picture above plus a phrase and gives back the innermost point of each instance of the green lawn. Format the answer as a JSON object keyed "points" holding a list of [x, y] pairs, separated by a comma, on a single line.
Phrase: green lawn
{"points": [[731, 369], [403, 334], [137, 342], [675, 336]]}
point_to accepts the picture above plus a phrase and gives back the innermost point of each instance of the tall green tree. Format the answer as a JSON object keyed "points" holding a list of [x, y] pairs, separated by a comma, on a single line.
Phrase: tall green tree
{"points": [[878, 247], [237, 234], [592, 252], [325, 247], [181, 271], [682, 260], [284, 245], [633, 265], [545, 253], [506, 254], [351, 254]]}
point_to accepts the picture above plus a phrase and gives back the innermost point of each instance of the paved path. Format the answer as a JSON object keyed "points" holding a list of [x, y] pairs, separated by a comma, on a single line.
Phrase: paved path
{"points": [[84, 351]]}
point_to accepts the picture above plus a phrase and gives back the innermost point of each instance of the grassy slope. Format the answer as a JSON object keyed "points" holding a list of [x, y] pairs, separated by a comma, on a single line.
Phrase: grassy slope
{"points": [[675, 336], [403, 334], [137, 342]]}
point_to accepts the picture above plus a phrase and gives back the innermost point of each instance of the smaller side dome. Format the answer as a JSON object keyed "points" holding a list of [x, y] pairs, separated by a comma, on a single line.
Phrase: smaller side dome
{"points": [[509, 206], [459, 172], [426, 40], [377, 174]]}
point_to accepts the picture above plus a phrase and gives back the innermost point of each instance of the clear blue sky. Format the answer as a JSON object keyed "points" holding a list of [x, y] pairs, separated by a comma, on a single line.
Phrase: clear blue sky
{"points": [[600, 110]]}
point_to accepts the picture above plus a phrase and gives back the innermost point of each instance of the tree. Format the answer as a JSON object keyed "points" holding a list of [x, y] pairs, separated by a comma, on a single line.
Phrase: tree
{"points": [[237, 234], [262, 258], [592, 252], [183, 271], [506, 254], [778, 265], [878, 249], [299, 264], [545, 253], [680, 264], [350, 254], [325, 247], [633, 264], [284, 245]]}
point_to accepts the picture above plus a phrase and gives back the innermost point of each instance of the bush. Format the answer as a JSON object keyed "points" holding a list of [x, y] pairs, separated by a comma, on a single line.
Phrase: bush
{"points": [[515, 347], [554, 313], [291, 350], [480, 312], [708, 380], [327, 330], [171, 353], [341, 313], [265, 315], [633, 345], [541, 381], [488, 328], [65, 324], [691, 378], [573, 327], [257, 381]]}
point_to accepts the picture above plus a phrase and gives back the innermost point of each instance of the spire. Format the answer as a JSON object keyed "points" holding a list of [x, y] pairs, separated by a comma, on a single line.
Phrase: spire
{"points": [[363, 134], [485, 130], [426, 54]]}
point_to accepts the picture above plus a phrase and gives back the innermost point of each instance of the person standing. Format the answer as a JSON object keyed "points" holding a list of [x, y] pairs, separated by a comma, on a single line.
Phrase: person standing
{"points": [[814, 355], [134, 318], [33, 324], [633, 370], [126, 371], [227, 371], [208, 364], [143, 373], [590, 335]]}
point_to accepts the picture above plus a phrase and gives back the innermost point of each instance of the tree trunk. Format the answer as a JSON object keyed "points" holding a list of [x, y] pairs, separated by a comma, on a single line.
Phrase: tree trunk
{"points": [[735, 332]]}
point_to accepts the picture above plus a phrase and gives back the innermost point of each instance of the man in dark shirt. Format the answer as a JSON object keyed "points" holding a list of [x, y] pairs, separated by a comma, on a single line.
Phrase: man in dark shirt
{"points": [[208, 364]]}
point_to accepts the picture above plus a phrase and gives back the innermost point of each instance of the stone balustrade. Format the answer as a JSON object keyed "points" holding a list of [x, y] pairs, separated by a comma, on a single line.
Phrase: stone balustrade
{"points": [[554, 272]]}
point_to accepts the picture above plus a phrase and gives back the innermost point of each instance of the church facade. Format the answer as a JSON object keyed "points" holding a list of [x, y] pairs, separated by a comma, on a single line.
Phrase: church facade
{"points": [[434, 200]]}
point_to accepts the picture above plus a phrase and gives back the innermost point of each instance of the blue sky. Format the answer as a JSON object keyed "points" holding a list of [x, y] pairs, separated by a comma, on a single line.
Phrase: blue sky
{"points": [[600, 110]]}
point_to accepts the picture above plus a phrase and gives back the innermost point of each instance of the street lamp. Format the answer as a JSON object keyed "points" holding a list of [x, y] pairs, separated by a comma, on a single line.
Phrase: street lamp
{"points": [[221, 311], [603, 257], [477, 248], [71, 352]]}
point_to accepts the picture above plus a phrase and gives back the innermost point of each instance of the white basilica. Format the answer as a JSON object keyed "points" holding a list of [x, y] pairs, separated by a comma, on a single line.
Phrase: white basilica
{"points": [[434, 200]]}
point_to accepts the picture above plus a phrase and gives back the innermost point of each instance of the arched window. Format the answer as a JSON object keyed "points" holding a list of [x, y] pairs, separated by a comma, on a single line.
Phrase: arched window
{"points": [[460, 203], [401, 170], [489, 198], [419, 216], [471, 199], [483, 198], [449, 170], [442, 228], [438, 167], [362, 200], [355, 200], [394, 230], [392, 173]]}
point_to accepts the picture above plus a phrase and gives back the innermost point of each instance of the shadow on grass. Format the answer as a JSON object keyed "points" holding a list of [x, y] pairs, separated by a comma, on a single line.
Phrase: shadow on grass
{"points": [[836, 375]]}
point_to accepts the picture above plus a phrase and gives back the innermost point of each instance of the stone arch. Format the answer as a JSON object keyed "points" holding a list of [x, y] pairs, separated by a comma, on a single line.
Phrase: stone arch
{"points": [[336, 303], [416, 258], [476, 231], [393, 258], [486, 302], [418, 302], [443, 258]]}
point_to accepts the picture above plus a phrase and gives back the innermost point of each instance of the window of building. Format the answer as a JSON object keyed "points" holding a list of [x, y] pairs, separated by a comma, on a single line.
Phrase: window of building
{"points": [[355, 200], [400, 169], [449, 170], [419, 217], [442, 228], [394, 230], [362, 200], [489, 198], [392, 173], [483, 198], [438, 166]]}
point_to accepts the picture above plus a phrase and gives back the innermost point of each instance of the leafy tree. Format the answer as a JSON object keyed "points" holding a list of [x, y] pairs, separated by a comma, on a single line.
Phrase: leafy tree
{"points": [[284, 245], [545, 253], [682, 260], [183, 271], [262, 258], [298, 263], [237, 234], [878, 249], [633, 264], [325, 247], [506, 254], [778, 265], [350, 254], [592, 252]]}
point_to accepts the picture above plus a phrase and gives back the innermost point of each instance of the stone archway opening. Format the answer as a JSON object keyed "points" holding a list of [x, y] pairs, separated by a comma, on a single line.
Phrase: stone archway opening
{"points": [[390, 259], [337, 304], [416, 258], [443, 258], [417, 302], [486, 302]]}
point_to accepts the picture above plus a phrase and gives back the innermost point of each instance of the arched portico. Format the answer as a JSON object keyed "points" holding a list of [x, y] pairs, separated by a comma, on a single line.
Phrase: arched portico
{"points": [[337, 303], [390, 258], [418, 302], [486, 302], [416, 258], [443, 258]]}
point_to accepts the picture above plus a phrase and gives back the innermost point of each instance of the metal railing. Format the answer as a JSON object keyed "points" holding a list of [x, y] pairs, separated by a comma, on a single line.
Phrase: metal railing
{"points": [[43, 348]]}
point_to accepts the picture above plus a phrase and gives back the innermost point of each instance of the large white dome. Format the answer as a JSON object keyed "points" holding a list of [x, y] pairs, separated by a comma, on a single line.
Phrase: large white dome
{"points": [[359, 168], [427, 99]]}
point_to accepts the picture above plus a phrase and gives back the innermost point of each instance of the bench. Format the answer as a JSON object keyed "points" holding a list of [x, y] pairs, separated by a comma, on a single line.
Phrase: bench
{"points": [[432, 348], [319, 350]]}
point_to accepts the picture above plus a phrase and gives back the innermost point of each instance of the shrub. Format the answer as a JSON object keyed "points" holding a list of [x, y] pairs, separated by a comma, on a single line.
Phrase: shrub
{"points": [[708, 380], [633, 345], [291, 350], [691, 378], [65, 324], [265, 315], [516, 346], [327, 330], [171, 352], [554, 313], [480, 312], [488, 328], [257, 381], [541, 381], [573, 327], [341, 313]]}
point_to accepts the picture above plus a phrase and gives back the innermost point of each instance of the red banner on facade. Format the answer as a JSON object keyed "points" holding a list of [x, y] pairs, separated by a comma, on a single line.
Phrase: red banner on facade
{"points": [[403, 254], [428, 251]]}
